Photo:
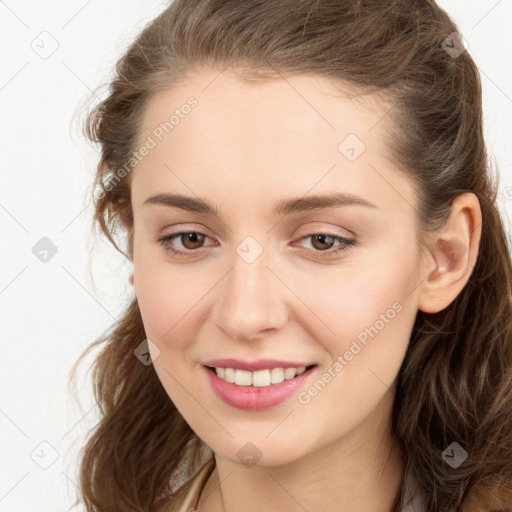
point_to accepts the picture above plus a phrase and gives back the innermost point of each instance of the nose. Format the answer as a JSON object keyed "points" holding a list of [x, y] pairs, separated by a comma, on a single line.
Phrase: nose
{"points": [[251, 300]]}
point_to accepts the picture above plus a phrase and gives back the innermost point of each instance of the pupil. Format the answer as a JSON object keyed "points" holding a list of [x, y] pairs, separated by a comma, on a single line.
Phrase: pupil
{"points": [[322, 238], [192, 238]]}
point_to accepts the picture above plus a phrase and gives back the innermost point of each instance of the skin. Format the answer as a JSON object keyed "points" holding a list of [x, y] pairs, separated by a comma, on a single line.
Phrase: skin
{"points": [[244, 147]]}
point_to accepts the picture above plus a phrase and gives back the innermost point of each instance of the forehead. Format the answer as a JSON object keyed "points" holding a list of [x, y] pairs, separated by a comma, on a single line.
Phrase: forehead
{"points": [[262, 135], [298, 103]]}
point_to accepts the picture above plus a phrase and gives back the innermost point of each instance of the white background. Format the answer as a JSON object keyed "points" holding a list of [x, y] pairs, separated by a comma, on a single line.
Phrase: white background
{"points": [[51, 311]]}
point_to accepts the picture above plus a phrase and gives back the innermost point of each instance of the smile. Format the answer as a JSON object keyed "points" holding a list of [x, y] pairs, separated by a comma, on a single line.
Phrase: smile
{"points": [[260, 378], [257, 386]]}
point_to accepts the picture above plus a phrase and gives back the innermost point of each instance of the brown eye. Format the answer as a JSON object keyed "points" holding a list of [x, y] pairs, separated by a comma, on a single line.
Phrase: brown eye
{"points": [[183, 243], [192, 239], [321, 244]]}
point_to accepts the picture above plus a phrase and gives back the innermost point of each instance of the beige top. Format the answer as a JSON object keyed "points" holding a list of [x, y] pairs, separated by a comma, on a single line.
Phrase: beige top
{"points": [[191, 500]]}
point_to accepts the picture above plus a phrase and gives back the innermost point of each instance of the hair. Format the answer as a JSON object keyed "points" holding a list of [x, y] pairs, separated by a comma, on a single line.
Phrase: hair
{"points": [[455, 383]]}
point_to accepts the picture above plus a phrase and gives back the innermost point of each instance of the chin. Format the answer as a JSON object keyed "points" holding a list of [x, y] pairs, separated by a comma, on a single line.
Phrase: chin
{"points": [[260, 454]]}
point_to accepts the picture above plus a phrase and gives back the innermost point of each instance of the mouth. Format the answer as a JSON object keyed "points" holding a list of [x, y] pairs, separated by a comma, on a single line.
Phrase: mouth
{"points": [[260, 378], [259, 389]]}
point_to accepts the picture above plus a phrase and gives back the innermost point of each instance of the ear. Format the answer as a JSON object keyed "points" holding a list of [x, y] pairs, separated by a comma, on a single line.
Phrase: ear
{"points": [[130, 279], [451, 255]]}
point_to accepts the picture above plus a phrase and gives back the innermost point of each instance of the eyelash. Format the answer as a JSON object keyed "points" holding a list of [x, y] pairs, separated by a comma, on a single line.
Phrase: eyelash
{"points": [[347, 243]]}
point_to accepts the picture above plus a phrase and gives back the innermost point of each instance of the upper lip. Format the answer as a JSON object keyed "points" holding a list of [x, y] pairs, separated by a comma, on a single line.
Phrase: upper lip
{"points": [[252, 366]]}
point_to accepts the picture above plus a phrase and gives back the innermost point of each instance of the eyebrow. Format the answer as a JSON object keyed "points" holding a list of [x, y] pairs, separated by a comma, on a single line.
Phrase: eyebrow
{"points": [[284, 207]]}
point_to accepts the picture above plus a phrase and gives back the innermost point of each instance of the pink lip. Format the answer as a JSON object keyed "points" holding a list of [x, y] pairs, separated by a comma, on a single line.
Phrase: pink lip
{"points": [[253, 397], [261, 364]]}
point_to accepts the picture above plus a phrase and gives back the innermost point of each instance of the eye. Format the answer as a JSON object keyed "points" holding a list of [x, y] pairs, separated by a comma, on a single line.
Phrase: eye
{"points": [[190, 241], [319, 241]]}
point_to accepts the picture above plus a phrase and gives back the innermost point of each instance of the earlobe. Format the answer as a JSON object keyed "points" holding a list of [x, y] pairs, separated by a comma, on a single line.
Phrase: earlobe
{"points": [[453, 249]]}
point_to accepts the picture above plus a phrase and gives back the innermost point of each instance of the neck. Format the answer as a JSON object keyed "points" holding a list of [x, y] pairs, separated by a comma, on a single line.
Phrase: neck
{"points": [[361, 471]]}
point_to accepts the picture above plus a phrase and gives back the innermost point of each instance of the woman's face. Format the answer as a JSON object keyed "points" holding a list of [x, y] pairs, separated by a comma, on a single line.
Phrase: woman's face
{"points": [[260, 282]]}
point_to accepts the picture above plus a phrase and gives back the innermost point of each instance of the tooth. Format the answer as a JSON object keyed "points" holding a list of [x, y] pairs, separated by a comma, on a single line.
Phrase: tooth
{"points": [[276, 375], [289, 373], [243, 378], [229, 375], [261, 378]]}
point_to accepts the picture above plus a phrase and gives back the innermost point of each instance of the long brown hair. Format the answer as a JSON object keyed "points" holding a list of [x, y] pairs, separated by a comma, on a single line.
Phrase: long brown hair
{"points": [[455, 384]]}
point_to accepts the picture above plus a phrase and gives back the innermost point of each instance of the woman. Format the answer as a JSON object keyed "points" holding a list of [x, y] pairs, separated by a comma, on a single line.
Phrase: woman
{"points": [[321, 316]]}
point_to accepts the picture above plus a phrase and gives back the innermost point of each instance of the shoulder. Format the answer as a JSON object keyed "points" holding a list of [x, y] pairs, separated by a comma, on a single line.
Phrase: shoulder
{"points": [[488, 499], [188, 493], [483, 498], [414, 499]]}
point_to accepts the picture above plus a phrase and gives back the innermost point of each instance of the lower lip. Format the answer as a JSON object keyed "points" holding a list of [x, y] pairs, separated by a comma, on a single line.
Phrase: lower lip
{"points": [[255, 398]]}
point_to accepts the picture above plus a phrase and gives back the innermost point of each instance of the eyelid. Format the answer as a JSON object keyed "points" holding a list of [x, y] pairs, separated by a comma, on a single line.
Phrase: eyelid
{"points": [[177, 234], [328, 233], [344, 244], [319, 227]]}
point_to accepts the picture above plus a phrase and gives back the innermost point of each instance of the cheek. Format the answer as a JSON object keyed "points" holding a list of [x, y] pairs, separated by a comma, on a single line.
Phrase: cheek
{"points": [[168, 299], [167, 294], [366, 312], [372, 314], [351, 299], [158, 305]]}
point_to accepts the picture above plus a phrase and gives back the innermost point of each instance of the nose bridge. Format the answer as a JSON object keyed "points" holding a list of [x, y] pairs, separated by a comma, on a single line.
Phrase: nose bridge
{"points": [[250, 300]]}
